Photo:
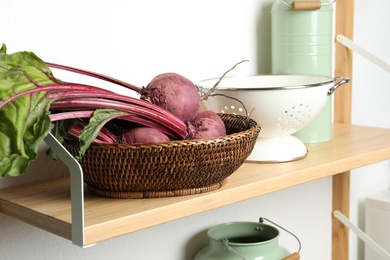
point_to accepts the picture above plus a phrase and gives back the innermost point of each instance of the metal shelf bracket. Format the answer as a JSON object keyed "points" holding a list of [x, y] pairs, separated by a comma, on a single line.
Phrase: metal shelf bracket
{"points": [[363, 236], [76, 189], [353, 46]]}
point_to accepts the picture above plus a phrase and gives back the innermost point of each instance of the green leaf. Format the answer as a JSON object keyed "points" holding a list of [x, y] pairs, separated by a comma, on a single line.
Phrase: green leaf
{"points": [[25, 121], [3, 49], [60, 131], [96, 123]]}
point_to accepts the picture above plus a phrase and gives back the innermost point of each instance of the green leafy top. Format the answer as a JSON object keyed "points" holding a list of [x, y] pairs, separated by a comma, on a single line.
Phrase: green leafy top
{"points": [[24, 121]]}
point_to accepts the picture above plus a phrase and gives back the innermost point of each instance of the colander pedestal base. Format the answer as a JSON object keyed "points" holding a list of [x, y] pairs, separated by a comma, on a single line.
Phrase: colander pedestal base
{"points": [[278, 149]]}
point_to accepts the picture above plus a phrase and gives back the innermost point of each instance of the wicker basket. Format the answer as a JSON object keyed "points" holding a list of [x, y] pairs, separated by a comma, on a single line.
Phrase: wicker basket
{"points": [[174, 168]]}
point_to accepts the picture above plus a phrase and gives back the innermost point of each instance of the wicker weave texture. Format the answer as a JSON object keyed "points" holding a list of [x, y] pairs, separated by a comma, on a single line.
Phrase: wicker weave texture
{"points": [[174, 168]]}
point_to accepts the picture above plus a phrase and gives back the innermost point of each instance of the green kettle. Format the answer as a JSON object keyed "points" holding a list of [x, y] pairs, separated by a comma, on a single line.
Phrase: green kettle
{"points": [[244, 240]]}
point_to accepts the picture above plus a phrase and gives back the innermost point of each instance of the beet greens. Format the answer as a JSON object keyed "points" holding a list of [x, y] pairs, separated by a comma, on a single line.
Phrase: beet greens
{"points": [[31, 99]]}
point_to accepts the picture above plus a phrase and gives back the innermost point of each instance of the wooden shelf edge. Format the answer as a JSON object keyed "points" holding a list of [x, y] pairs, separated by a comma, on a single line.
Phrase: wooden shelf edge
{"points": [[36, 219], [47, 204]]}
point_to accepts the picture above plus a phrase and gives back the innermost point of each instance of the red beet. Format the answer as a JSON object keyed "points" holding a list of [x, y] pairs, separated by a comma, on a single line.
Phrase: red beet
{"points": [[207, 124], [174, 93], [143, 135]]}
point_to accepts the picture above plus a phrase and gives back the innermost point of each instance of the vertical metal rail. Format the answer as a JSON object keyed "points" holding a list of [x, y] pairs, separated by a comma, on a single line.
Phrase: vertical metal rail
{"points": [[76, 189]]}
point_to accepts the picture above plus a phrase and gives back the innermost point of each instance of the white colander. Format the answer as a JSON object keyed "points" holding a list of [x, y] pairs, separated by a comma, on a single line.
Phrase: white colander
{"points": [[280, 104]]}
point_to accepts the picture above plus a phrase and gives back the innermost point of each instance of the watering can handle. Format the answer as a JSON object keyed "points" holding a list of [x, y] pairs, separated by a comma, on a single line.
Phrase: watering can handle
{"points": [[300, 5], [342, 80], [306, 5], [294, 256]]}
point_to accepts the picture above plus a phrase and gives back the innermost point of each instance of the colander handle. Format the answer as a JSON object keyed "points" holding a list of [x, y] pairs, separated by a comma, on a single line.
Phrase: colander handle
{"points": [[342, 80]]}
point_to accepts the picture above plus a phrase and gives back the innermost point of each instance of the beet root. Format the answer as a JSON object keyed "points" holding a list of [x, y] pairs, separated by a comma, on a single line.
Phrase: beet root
{"points": [[143, 135], [174, 93], [207, 124]]}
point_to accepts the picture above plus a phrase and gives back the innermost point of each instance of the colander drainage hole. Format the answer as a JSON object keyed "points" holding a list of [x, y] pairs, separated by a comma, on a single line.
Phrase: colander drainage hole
{"points": [[233, 109], [294, 116]]}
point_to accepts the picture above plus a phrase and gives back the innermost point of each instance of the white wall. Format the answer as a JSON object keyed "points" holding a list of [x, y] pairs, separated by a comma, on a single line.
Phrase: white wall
{"points": [[371, 93], [134, 41]]}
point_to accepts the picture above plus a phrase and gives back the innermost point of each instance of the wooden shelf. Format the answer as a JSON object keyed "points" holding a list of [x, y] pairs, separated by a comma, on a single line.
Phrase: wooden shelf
{"points": [[47, 204]]}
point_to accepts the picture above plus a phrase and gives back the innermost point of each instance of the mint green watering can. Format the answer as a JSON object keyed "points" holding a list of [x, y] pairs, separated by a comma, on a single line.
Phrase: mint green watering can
{"points": [[302, 43], [245, 241]]}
